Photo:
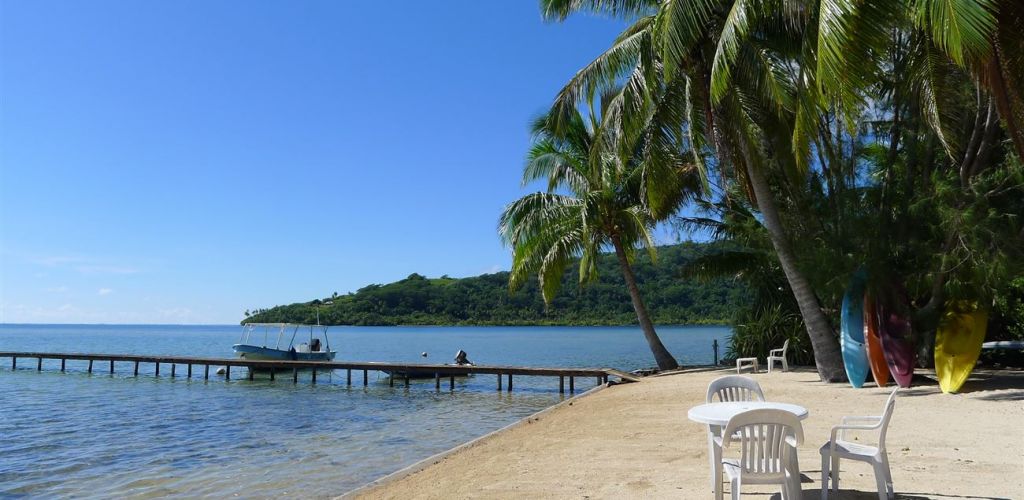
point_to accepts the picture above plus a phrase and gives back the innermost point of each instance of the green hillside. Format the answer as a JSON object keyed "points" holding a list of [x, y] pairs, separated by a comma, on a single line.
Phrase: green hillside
{"points": [[485, 299]]}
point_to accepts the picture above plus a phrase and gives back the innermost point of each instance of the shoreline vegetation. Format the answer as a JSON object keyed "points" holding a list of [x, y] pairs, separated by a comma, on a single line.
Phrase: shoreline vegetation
{"points": [[485, 300]]}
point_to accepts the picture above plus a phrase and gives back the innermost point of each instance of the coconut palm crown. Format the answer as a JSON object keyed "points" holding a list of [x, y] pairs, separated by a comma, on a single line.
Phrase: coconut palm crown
{"points": [[595, 200]]}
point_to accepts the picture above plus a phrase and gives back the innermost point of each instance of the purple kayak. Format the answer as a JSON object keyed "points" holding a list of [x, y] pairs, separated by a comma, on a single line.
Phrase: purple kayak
{"points": [[897, 337]]}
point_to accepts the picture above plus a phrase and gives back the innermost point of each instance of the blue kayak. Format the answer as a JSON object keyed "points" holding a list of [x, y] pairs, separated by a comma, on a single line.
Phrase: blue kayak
{"points": [[855, 356]]}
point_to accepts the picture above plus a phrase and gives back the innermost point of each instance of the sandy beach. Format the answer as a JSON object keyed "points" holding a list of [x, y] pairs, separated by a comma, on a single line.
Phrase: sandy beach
{"points": [[635, 441]]}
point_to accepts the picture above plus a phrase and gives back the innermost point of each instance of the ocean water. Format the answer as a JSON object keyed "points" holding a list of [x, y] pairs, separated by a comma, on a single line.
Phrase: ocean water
{"points": [[75, 434]]}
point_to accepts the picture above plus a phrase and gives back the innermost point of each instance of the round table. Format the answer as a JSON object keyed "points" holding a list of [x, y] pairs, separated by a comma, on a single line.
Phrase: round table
{"points": [[720, 413], [717, 416]]}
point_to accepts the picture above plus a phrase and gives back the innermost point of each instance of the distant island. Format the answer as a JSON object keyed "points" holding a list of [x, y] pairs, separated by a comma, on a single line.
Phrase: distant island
{"points": [[486, 300]]}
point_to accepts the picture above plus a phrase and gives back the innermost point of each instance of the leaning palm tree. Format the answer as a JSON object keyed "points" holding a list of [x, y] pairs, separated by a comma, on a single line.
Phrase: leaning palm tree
{"points": [[595, 199]]}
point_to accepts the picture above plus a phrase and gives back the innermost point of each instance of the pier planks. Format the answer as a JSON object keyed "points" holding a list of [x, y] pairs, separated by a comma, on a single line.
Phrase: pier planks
{"points": [[440, 371]]}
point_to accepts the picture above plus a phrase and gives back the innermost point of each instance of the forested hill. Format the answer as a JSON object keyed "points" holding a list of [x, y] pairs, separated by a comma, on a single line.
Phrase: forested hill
{"points": [[485, 299]]}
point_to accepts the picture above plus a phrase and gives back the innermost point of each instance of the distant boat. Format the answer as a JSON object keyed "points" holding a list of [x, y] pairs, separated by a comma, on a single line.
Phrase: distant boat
{"points": [[315, 349], [461, 359]]}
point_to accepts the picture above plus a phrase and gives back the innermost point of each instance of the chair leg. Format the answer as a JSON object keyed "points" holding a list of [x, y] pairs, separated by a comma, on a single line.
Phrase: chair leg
{"points": [[735, 483], [825, 462], [889, 488], [880, 482], [785, 365], [835, 475], [770, 363]]}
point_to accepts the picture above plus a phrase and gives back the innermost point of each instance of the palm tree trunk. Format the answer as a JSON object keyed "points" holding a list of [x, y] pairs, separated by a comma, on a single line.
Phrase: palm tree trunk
{"points": [[661, 355], [827, 357]]}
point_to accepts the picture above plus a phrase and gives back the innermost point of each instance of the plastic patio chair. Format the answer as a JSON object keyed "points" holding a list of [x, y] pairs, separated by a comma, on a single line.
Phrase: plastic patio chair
{"points": [[779, 355], [838, 448], [727, 389], [767, 441], [734, 388]]}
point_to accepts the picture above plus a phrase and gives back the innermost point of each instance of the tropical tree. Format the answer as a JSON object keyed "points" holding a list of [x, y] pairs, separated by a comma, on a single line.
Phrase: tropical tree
{"points": [[595, 199], [776, 90]]}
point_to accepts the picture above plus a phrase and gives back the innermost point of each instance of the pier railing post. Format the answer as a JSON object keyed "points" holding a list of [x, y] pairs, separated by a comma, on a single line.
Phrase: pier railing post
{"points": [[272, 371], [365, 378], [227, 372], [509, 382], [39, 364], [190, 370], [14, 362], [252, 374], [451, 382], [407, 379], [111, 367], [437, 381], [136, 373], [314, 375], [295, 375], [90, 366], [206, 372], [561, 384], [499, 382], [157, 368], [173, 369], [572, 384], [62, 361]]}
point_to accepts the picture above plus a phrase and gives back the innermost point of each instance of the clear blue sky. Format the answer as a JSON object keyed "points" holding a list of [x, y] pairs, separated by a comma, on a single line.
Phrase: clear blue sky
{"points": [[180, 162]]}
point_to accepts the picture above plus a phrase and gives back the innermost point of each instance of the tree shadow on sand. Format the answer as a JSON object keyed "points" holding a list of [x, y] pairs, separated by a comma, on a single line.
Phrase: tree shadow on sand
{"points": [[845, 494]]}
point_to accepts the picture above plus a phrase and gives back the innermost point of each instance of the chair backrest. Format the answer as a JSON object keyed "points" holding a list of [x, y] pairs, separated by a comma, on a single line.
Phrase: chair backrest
{"points": [[734, 388], [785, 346], [763, 436], [890, 405]]}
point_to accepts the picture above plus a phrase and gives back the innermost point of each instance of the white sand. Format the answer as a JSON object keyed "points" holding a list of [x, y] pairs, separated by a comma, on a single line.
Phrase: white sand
{"points": [[634, 441]]}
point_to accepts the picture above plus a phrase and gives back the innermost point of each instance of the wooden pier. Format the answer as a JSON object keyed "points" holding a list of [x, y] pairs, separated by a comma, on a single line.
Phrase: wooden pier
{"points": [[292, 368]]}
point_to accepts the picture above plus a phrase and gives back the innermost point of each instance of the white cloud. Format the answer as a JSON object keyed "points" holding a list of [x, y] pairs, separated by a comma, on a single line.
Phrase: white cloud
{"points": [[57, 289], [105, 291]]}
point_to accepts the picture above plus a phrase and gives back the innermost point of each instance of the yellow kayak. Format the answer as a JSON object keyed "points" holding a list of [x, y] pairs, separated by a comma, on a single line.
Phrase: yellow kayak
{"points": [[958, 344]]}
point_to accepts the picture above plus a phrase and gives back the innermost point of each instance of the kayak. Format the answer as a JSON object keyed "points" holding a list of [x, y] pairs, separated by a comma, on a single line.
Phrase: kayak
{"points": [[897, 338], [958, 343], [873, 344], [855, 356]]}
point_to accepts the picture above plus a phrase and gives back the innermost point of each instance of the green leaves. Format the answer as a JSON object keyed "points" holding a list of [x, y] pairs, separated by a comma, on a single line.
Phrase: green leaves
{"points": [[962, 28]]}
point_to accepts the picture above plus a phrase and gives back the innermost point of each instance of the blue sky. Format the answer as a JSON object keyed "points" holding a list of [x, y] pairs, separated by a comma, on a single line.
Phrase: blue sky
{"points": [[181, 162]]}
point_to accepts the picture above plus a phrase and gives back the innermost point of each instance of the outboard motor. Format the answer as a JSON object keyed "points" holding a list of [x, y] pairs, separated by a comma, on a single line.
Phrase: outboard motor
{"points": [[461, 358]]}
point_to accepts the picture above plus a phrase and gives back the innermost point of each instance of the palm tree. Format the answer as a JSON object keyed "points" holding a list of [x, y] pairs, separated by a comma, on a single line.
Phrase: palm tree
{"points": [[595, 199], [674, 43]]}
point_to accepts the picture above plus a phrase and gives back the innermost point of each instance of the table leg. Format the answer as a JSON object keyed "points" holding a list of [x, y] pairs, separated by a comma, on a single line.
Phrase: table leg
{"points": [[715, 456]]}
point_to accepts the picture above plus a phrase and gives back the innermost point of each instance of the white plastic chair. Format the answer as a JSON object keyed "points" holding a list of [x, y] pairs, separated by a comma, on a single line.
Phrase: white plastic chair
{"points": [[734, 388], [837, 447], [767, 441], [779, 355], [727, 389]]}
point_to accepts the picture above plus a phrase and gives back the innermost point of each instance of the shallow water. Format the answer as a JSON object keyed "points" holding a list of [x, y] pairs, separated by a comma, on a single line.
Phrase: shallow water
{"points": [[74, 434]]}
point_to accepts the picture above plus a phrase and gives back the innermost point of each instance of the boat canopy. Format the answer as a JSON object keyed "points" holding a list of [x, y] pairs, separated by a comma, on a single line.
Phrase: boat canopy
{"points": [[249, 328]]}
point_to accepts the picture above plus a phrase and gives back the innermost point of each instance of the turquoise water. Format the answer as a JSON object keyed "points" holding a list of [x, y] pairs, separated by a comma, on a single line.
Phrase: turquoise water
{"points": [[102, 435]]}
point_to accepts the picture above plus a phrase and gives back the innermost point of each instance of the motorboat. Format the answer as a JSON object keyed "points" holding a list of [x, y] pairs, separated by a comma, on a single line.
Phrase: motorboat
{"points": [[461, 359], [316, 348]]}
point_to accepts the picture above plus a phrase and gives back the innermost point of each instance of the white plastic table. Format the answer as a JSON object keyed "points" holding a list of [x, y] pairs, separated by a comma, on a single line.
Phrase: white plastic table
{"points": [[720, 413], [717, 416]]}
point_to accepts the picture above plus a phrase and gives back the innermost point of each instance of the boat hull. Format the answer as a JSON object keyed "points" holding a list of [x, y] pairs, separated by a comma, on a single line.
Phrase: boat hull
{"points": [[855, 357], [957, 347], [417, 374], [258, 353], [873, 344], [897, 337]]}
